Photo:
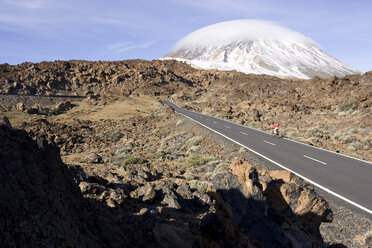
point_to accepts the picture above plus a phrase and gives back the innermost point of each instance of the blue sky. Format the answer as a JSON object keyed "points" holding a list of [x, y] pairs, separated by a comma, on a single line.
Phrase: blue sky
{"points": [[48, 30]]}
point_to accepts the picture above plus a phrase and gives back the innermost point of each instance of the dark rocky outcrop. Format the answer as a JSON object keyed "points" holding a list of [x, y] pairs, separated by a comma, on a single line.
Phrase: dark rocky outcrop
{"points": [[40, 204], [278, 213]]}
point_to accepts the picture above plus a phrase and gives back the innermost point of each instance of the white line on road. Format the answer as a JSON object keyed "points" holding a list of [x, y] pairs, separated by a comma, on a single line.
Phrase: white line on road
{"points": [[282, 166], [269, 143], [243, 133], [315, 160], [215, 122], [227, 127], [314, 147]]}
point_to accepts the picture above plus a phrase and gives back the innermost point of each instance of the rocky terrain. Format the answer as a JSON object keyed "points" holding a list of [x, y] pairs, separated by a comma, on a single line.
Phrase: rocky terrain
{"points": [[133, 173], [151, 197], [334, 114], [330, 113]]}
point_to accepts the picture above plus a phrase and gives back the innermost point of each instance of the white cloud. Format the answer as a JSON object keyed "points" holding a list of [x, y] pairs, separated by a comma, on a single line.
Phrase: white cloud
{"points": [[237, 30], [121, 47]]}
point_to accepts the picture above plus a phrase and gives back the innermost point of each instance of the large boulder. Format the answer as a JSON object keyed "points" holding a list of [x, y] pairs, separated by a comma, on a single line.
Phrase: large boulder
{"points": [[5, 124], [20, 106], [40, 204], [62, 107], [91, 157], [145, 193], [263, 211], [171, 200]]}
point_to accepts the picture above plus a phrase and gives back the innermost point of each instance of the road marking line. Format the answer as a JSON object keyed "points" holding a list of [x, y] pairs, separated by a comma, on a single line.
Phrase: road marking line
{"points": [[227, 127], [243, 133], [282, 166], [269, 143], [215, 122], [315, 160], [315, 147]]}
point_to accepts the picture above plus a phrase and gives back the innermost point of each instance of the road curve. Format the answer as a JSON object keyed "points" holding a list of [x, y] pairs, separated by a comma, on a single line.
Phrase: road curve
{"points": [[347, 178]]}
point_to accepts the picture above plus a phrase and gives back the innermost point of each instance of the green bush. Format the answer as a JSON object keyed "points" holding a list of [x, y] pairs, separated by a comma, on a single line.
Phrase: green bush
{"points": [[123, 150], [134, 160], [116, 135], [194, 141], [242, 150], [179, 122], [350, 104], [196, 160], [156, 155], [200, 186]]}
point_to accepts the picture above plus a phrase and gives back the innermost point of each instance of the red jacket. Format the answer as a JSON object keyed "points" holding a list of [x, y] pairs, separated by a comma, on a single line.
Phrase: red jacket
{"points": [[275, 125]]}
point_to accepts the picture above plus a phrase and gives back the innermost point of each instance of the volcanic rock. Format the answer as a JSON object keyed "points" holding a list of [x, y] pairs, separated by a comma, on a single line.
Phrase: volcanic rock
{"points": [[92, 158], [170, 198], [248, 212], [144, 193], [63, 106], [40, 205], [4, 123], [20, 106], [168, 236]]}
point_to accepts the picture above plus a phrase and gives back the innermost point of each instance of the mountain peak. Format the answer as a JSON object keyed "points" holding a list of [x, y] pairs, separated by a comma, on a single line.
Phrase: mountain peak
{"points": [[259, 47]]}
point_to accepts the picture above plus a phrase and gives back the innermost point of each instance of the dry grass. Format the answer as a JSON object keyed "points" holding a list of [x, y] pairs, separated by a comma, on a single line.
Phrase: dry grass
{"points": [[124, 108], [17, 117]]}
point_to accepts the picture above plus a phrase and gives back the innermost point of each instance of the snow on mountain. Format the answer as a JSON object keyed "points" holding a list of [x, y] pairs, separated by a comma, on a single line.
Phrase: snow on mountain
{"points": [[259, 47]]}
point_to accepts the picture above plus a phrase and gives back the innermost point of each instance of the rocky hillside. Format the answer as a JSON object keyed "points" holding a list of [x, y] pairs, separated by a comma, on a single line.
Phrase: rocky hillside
{"points": [[136, 174], [148, 200], [132, 77], [330, 113], [334, 114]]}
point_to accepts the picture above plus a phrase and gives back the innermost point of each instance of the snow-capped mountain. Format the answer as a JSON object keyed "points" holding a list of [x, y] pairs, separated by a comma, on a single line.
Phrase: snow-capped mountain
{"points": [[259, 47]]}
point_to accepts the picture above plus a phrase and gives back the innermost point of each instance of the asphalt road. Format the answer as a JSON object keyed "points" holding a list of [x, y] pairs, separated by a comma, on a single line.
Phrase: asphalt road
{"points": [[345, 177]]}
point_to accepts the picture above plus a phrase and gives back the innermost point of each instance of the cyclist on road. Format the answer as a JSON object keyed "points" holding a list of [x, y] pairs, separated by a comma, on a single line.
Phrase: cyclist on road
{"points": [[275, 128]]}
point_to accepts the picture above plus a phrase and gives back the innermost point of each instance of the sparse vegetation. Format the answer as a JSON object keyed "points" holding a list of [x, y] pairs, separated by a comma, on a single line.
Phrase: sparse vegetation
{"points": [[350, 104], [242, 150], [199, 185], [345, 138], [194, 141], [354, 146], [179, 122], [196, 160], [116, 135], [134, 160], [122, 150], [155, 155]]}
